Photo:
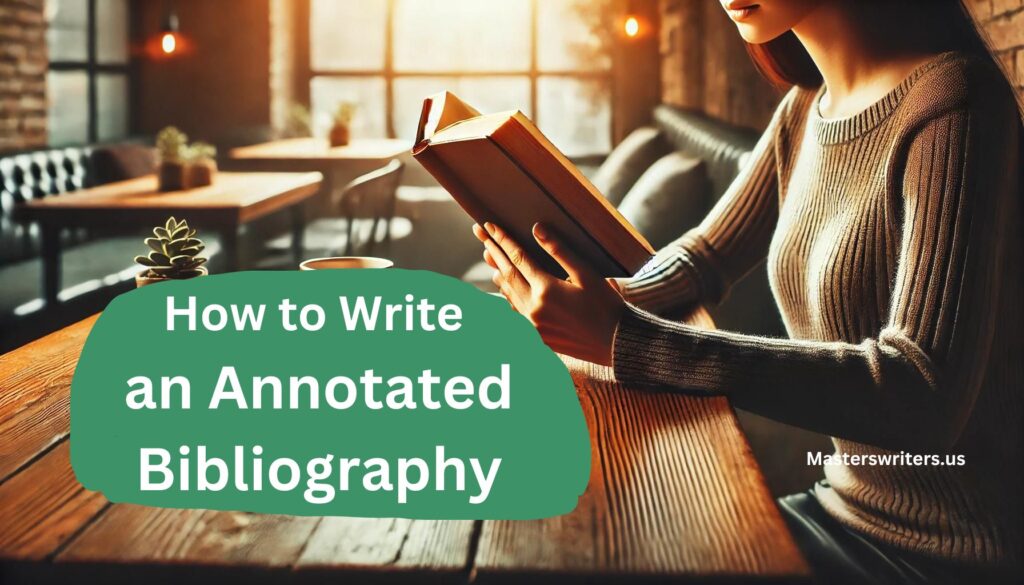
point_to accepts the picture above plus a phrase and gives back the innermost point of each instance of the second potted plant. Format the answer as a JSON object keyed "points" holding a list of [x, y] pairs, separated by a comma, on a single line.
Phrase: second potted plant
{"points": [[202, 165], [171, 145]]}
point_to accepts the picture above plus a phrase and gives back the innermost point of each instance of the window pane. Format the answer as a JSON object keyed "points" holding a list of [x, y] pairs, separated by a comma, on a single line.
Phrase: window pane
{"points": [[112, 31], [462, 35], [575, 114], [67, 30], [68, 112], [112, 98], [347, 34], [367, 93], [487, 94], [565, 37]]}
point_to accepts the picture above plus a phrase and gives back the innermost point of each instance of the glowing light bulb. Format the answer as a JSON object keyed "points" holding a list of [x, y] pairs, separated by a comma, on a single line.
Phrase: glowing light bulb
{"points": [[168, 43], [632, 26]]}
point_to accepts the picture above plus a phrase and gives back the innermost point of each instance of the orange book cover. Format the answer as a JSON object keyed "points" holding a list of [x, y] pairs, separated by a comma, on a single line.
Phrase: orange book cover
{"points": [[502, 169]]}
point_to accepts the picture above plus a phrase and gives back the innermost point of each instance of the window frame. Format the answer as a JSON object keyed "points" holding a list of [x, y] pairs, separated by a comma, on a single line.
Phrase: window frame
{"points": [[93, 69], [305, 71]]}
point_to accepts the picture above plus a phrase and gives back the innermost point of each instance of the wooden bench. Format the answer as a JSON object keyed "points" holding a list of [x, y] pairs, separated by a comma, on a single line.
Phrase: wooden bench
{"points": [[674, 495]]}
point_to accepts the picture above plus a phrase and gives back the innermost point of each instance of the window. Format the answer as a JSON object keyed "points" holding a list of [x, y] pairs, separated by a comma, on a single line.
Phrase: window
{"points": [[537, 56], [88, 78]]}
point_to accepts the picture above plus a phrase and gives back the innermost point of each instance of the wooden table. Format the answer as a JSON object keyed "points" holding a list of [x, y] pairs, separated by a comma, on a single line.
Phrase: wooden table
{"points": [[674, 495], [313, 154], [232, 200], [339, 165]]}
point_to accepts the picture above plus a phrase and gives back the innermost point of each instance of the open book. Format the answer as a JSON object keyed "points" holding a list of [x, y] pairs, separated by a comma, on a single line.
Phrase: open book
{"points": [[501, 169]]}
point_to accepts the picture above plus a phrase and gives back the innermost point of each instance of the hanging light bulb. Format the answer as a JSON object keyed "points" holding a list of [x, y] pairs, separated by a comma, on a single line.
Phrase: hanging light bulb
{"points": [[169, 31], [168, 43], [631, 24]]}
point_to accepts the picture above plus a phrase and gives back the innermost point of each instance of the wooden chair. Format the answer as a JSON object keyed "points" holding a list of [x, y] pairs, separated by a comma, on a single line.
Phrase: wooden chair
{"points": [[370, 197]]}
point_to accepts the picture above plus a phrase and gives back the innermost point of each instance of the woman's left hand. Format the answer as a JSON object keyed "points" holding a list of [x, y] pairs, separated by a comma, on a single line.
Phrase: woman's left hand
{"points": [[577, 317]]}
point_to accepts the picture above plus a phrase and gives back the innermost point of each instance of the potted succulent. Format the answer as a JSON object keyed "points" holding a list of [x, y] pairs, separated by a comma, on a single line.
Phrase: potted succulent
{"points": [[171, 145], [174, 254], [341, 129], [202, 165]]}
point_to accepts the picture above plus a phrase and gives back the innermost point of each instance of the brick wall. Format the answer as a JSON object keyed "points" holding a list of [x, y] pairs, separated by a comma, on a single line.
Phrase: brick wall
{"points": [[705, 66], [1002, 21], [23, 64]]}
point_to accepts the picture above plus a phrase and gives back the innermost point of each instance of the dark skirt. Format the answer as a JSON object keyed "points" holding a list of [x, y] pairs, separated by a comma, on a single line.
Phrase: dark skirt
{"points": [[838, 555]]}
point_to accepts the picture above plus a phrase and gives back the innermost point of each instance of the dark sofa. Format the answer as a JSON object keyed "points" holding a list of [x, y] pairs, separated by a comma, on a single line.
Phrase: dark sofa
{"points": [[96, 265]]}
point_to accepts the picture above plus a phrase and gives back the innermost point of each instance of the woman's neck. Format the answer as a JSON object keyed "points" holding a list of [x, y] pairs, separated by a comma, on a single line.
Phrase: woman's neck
{"points": [[864, 50]]}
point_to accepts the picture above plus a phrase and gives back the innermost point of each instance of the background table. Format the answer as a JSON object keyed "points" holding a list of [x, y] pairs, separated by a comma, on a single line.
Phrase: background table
{"points": [[232, 200], [339, 164], [674, 494]]}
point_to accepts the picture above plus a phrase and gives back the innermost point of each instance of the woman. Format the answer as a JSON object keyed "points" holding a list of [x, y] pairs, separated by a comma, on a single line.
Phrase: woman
{"points": [[885, 195]]}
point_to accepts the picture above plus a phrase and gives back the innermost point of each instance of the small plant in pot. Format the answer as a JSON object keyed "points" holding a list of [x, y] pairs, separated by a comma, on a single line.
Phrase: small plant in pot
{"points": [[174, 254], [202, 165], [341, 130], [171, 145]]}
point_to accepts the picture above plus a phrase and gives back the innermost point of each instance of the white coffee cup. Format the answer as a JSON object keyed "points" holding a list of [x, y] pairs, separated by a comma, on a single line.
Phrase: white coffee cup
{"points": [[343, 262]]}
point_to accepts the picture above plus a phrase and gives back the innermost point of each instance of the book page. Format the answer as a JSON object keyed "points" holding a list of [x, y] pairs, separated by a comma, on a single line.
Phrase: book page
{"points": [[440, 111]]}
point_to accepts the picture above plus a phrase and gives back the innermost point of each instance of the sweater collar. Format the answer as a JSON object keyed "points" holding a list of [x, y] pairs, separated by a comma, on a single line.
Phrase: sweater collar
{"points": [[837, 130]]}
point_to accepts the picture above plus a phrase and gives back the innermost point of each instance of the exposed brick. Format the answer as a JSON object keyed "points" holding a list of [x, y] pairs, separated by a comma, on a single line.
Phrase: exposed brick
{"points": [[10, 32], [1004, 6], [1007, 32], [30, 16], [1007, 58], [23, 66], [34, 124], [1018, 72], [981, 9]]}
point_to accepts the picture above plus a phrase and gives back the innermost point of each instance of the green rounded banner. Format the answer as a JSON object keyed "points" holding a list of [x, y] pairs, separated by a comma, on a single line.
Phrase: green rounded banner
{"points": [[371, 393]]}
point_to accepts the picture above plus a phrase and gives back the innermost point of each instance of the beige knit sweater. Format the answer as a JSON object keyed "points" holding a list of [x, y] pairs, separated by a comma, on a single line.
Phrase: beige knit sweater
{"points": [[894, 242]]}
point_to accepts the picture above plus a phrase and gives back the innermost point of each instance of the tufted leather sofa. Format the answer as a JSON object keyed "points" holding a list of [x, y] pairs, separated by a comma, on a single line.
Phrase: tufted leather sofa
{"points": [[92, 261], [33, 175]]}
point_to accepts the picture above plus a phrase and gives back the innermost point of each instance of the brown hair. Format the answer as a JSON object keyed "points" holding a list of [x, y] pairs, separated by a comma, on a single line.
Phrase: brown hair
{"points": [[784, 61]]}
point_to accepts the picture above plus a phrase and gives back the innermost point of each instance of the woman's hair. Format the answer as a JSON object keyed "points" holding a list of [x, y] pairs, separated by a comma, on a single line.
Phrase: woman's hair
{"points": [[784, 62]]}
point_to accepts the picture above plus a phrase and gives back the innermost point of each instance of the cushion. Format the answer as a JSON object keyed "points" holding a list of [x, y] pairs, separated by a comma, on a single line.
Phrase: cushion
{"points": [[122, 161], [668, 199], [628, 161]]}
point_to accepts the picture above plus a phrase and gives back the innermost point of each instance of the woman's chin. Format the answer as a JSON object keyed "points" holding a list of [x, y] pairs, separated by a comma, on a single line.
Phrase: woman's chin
{"points": [[756, 35]]}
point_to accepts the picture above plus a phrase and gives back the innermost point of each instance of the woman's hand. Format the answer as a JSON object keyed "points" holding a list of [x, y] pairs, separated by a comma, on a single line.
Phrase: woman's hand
{"points": [[576, 317]]}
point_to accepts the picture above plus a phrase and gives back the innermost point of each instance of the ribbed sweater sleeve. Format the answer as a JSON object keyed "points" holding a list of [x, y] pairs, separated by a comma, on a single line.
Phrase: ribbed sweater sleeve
{"points": [[700, 266], [915, 380]]}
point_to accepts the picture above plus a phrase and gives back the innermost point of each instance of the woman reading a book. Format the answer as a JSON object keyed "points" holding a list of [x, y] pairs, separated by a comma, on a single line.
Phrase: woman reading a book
{"points": [[886, 196]]}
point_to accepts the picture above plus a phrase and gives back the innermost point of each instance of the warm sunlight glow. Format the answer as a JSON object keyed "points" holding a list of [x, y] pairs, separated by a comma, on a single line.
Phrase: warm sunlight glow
{"points": [[632, 26], [168, 43]]}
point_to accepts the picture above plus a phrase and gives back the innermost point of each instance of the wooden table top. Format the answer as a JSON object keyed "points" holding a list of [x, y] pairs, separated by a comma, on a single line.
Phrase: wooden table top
{"points": [[674, 493], [319, 150], [241, 196]]}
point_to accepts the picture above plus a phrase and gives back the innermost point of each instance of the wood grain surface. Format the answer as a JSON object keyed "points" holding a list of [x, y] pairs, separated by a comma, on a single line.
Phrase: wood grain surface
{"points": [[239, 196], [319, 150], [35, 398], [44, 506], [674, 493], [439, 549], [131, 534]]}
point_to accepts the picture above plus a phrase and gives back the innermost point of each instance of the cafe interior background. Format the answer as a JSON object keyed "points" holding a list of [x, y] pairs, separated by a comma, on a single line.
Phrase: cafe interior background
{"points": [[657, 101]]}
